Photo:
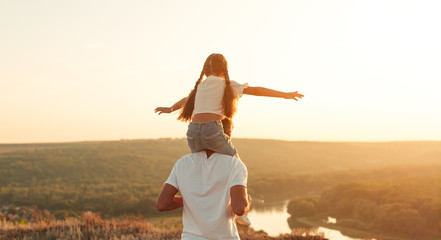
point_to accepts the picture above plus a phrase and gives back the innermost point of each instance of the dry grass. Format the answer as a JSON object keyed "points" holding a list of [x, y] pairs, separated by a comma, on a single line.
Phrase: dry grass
{"points": [[91, 226], [5, 148]]}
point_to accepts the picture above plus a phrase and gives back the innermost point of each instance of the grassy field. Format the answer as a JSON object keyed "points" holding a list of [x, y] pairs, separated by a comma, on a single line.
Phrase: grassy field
{"points": [[92, 226], [119, 178]]}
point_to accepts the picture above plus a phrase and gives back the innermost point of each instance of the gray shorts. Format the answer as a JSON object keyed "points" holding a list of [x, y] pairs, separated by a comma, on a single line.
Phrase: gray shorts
{"points": [[210, 136]]}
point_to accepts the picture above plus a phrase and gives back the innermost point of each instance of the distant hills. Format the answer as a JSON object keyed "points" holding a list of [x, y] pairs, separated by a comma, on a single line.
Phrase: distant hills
{"points": [[263, 155], [120, 177]]}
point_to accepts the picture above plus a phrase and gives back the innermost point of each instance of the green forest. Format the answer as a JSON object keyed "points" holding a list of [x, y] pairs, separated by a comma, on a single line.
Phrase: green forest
{"points": [[404, 205], [356, 182]]}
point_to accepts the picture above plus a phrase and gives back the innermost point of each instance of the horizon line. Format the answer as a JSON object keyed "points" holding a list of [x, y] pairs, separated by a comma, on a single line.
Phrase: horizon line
{"points": [[243, 138]]}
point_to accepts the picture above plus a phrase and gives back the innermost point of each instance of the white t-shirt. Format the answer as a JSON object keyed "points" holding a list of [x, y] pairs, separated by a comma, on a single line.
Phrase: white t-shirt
{"points": [[210, 93], [205, 187]]}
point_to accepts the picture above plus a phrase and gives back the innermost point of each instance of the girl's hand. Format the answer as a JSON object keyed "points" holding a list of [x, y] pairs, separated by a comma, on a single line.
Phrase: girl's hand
{"points": [[293, 95], [160, 110]]}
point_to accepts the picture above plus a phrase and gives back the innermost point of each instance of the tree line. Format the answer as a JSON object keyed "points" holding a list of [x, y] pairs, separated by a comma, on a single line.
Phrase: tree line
{"points": [[409, 205]]}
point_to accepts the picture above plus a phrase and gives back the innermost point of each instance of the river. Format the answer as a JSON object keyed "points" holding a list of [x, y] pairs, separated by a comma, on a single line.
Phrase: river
{"points": [[273, 219]]}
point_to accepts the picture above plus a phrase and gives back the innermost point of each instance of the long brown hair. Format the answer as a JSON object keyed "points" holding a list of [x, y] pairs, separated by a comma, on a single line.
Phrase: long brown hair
{"points": [[214, 65]]}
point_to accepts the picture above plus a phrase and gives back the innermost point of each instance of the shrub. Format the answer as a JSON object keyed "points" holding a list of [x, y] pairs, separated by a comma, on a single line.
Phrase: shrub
{"points": [[352, 223], [301, 208]]}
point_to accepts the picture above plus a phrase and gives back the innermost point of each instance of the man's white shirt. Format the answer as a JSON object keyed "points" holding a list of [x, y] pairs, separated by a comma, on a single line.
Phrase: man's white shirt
{"points": [[205, 185]]}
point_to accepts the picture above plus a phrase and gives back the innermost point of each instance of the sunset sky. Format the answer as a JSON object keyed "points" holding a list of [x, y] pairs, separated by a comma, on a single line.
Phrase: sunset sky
{"points": [[96, 70]]}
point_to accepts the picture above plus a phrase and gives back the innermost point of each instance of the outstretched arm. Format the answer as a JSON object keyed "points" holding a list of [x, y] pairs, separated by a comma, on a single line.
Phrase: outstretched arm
{"points": [[173, 108], [167, 199], [266, 92]]}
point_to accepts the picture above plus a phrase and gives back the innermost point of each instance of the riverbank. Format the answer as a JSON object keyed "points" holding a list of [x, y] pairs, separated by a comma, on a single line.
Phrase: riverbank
{"points": [[356, 233]]}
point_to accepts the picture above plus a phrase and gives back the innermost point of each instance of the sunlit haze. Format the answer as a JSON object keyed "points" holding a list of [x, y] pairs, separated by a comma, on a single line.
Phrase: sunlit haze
{"points": [[96, 70]]}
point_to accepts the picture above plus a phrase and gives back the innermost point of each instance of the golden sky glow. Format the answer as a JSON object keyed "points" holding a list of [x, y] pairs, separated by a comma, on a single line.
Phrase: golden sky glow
{"points": [[95, 70]]}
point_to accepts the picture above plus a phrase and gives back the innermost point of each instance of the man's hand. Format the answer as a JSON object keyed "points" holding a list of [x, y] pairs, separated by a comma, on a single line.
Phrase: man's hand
{"points": [[160, 110], [293, 95]]}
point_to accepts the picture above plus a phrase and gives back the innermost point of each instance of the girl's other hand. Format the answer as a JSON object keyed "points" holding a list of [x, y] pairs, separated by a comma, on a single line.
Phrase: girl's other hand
{"points": [[293, 95], [160, 110]]}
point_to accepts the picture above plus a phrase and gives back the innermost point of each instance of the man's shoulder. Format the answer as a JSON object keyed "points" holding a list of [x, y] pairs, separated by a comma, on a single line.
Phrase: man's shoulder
{"points": [[198, 156], [234, 160], [189, 157], [223, 157], [192, 157]]}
